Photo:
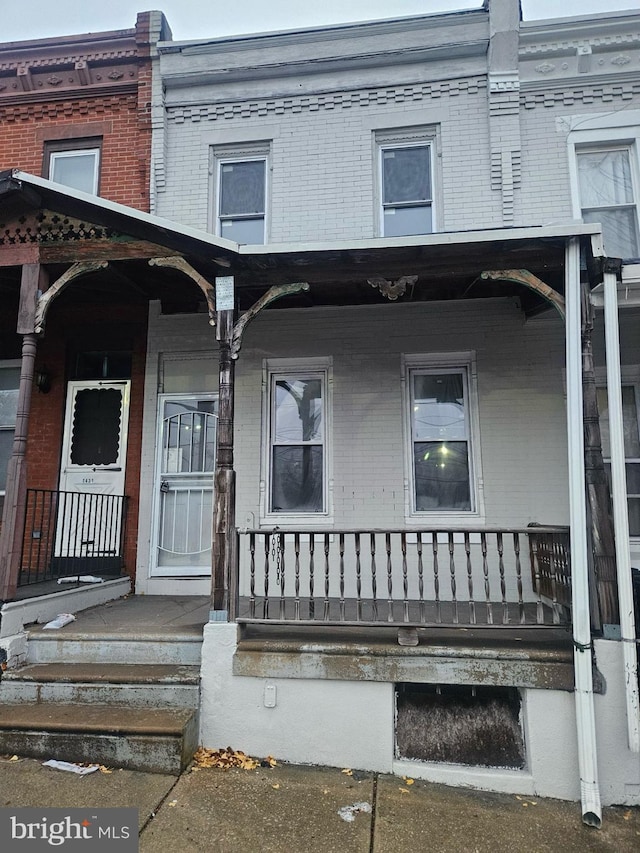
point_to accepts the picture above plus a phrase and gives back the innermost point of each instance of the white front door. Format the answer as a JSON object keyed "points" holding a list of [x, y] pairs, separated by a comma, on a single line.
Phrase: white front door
{"points": [[92, 472], [183, 504]]}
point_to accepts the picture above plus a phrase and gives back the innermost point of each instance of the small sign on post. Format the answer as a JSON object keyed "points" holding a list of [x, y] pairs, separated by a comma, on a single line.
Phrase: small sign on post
{"points": [[224, 293]]}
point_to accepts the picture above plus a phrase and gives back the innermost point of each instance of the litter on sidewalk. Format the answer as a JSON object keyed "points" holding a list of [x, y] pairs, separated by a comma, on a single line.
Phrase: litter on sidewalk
{"points": [[80, 769], [348, 813]]}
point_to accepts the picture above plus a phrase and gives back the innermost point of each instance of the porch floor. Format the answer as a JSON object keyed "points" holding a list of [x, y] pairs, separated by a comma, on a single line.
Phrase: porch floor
{"points": [[140, 615]]}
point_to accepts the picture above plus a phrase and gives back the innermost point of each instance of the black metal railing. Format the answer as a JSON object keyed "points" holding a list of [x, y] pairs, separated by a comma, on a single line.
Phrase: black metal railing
{"points": [[72, 533], [485, 578]]}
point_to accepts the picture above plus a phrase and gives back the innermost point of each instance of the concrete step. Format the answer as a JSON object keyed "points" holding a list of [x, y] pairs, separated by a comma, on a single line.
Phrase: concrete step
{"points": [[151, 740], [68, 646], [134, 685]]}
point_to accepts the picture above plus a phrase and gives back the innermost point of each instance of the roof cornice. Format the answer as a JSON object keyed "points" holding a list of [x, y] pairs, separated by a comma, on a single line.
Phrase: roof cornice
{"points": [[282, 38]]}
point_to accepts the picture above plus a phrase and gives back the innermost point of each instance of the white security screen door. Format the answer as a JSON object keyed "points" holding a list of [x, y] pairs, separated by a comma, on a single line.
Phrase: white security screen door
{"points": [[94, 452], [184, 484]]}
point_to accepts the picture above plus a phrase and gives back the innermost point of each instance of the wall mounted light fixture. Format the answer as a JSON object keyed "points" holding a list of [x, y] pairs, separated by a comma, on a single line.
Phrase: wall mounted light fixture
{"points": [[42, 380]]}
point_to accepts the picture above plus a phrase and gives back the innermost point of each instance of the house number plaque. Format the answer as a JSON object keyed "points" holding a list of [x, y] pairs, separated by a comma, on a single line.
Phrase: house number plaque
{"points": [[224, 293]]}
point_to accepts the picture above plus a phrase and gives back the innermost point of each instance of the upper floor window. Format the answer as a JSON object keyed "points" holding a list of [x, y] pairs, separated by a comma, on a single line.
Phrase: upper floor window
{"points": [[440, 421], [407, 190], [241, 199], [608, 192], [74, 163]]}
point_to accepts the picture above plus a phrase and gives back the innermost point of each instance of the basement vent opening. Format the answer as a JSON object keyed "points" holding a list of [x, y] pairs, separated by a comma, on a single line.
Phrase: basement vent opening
{"points": [[477, 726]]}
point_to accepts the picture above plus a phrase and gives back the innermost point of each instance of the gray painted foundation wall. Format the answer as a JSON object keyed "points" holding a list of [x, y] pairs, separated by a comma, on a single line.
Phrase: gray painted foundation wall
{"points": [[355, 722]]}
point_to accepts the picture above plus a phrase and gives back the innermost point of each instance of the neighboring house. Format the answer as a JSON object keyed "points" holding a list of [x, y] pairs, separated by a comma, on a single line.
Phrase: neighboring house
{"points": [[400, 547], [77, 111]]}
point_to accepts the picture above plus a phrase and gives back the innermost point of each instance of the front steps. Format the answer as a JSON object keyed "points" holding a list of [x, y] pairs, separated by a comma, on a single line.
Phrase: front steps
{"points": [[114, 698], [148, 739]]}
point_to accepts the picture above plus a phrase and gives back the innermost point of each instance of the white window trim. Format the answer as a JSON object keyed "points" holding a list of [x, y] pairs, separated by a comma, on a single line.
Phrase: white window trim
{"points": [[629, 375], [272, 368], [408, 137], [465, 361], [584, 141], [245, 153], [9, 363], [77, 152]]}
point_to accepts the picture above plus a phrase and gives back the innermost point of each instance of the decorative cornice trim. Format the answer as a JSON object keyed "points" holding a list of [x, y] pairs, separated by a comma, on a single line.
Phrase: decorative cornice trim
{"points": [[567, 96], [52, 106], [614, 41], [68, 60], [504, 82], [326, 101]]}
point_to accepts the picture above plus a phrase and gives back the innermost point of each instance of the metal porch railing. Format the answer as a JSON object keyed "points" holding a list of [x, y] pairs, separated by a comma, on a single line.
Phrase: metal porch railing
{"points": [[484, 578], [72, 533]]}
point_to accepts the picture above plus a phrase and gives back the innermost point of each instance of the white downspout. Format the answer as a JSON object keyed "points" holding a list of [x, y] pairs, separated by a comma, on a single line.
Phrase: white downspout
{"points": [[582, 649], [620, 517]]}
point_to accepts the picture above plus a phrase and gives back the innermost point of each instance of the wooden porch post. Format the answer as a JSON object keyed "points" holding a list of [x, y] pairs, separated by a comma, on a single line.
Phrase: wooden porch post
{"points": [[224, 560], [224, 513], [13, 516]]}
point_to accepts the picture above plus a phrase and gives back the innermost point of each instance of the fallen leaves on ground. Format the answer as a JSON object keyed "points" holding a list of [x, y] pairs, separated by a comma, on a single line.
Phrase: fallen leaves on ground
{"points": [[104, 769], [347, 771], [225, 758]]}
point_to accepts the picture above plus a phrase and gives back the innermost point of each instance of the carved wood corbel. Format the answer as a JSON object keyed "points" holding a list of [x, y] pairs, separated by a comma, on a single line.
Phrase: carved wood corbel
{"points": [[531, 281], [45, 299], [392, 289], [178, 263], [275, 292]]}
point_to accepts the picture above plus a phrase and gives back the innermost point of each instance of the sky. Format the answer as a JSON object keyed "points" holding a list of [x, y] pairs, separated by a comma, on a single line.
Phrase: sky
{"points": [[203, 19]]}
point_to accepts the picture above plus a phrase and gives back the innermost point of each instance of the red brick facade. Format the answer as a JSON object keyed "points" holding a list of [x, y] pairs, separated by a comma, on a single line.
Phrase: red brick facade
{"points": [[77, 88]]}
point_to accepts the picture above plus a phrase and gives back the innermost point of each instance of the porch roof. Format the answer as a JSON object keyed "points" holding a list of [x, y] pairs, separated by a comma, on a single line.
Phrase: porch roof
{"points": [[446, 265]]}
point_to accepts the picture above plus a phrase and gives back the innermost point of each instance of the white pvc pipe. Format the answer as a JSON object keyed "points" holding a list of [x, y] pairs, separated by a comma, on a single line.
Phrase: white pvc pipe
{"points": [[620, 516], [582, 653]]}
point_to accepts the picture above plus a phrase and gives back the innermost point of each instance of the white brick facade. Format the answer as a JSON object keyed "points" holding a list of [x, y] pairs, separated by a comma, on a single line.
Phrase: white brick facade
{"points": [[500, 102]]}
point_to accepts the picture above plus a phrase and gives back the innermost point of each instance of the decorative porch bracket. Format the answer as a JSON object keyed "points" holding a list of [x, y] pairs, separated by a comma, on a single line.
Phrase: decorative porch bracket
{"points": [[531, 281], [178, 263], [45, 299], [275, 292]]}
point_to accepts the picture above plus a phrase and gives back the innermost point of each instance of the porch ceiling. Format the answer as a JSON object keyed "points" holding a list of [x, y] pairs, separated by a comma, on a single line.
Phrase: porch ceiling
{"points": [[43, 222]]}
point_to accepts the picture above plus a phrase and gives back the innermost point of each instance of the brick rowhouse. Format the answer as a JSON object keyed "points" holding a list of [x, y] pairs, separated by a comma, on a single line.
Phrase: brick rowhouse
{"points": [[59, 94]]}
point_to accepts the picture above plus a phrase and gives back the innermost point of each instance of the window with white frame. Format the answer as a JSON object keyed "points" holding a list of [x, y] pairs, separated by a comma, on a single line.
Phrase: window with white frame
{"points": [[9, 383], [608, 190], [297, 441], [241, 193], [406, 185], [74, 163], [631, 428], [440, 433]]}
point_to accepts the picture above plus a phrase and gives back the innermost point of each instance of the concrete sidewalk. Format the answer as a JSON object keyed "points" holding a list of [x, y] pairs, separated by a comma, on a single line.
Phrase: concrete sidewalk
{"points": [[289, 808]]}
